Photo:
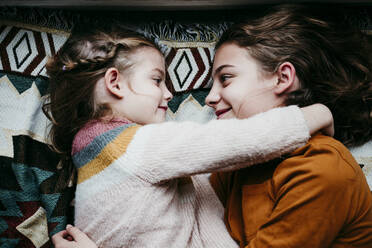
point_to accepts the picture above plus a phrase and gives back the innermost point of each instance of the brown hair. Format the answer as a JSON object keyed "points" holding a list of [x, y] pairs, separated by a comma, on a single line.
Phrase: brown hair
{"points": [[73, 73], [333, 63]]}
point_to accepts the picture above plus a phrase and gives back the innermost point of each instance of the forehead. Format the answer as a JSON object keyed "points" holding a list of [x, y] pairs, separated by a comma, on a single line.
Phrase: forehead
{"points": [[147, 54], [229, 47], [148, 59], [234, 56]]}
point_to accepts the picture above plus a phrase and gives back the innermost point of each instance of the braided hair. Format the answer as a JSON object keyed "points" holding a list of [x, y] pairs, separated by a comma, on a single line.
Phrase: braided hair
{"points": [[73, 73]]}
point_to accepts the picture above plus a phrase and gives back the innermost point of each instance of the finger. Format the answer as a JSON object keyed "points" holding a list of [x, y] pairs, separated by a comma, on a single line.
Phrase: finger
{"points": [[59, 236], [59, 240], [76, 234]]}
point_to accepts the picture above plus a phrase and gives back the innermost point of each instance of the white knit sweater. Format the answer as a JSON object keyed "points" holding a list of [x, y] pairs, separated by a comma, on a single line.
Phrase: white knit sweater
{"points": [[134, 186]]}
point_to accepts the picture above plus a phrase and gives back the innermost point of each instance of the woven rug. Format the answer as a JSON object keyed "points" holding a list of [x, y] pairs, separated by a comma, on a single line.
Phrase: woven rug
{"points": [[35, 193]]}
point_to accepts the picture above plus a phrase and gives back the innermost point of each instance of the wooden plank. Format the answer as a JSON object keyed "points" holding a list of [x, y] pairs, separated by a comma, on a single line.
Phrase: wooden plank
{"points": [[161, 4]]}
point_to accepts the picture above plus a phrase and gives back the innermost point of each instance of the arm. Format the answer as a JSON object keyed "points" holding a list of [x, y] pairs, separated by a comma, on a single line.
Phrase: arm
{"points": [[164, 151], [160, 152], [314, 198], [318, 117]]}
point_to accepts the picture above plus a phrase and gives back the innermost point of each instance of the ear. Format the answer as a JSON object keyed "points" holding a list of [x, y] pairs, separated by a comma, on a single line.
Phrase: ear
{"points": [[114, 82], [286, 78]]}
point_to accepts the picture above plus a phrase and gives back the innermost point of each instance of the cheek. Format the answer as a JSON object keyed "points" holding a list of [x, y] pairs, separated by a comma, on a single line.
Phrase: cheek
{"points": [[255, 103], [154, 99], [245, 110], [151, 92], [233, 96], [156, 95], [242, 102], [141, 84]]}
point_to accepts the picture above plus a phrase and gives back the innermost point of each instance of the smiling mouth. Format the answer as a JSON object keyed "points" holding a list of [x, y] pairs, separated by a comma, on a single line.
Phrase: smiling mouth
{"points": [[219, 113], [163, 107]]}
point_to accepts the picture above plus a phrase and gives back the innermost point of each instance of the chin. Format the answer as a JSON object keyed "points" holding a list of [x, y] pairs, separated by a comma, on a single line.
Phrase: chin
{"points": [[226, 117], [159, 120], [247, 115]]}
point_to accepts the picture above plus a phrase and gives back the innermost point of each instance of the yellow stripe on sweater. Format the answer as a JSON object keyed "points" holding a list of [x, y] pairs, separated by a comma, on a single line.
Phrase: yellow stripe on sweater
{"points": [[108, 155]]}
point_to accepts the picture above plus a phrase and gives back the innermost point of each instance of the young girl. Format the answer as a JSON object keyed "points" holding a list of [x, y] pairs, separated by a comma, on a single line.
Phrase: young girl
{"points": [[134, 186]]}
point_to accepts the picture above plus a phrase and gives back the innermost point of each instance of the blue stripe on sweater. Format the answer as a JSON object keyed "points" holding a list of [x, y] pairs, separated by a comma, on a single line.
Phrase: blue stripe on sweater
{"points": [[96, 146]]}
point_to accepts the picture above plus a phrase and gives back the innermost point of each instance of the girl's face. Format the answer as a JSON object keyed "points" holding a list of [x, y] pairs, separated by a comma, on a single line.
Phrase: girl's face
{"points": [[240, 88], [146, 96]]}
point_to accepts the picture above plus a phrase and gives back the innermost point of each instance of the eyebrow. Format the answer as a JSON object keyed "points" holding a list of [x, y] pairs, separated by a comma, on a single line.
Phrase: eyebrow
{"points": [[159, 70], [220, 69]]}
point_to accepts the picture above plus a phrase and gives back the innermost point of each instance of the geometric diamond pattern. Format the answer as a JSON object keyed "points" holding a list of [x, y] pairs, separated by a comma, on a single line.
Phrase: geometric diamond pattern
{"points": [[189, 65], [26, 51], [21, 50], [182, 69]]}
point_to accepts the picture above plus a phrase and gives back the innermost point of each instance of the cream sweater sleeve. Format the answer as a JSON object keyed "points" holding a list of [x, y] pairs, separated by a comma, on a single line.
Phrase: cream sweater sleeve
{"points": [[160, 152]]}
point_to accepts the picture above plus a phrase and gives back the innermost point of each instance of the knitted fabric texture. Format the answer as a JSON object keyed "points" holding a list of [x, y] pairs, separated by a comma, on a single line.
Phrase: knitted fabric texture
{"points": [[136, 184]]}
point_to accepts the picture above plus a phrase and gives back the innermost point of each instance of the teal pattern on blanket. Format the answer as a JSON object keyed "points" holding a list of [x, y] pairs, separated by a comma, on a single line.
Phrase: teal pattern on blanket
{"points": [[35, 193]]}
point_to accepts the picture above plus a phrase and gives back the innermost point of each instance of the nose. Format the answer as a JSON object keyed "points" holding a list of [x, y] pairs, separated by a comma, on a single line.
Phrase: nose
{"points": [[167, 95], [214, 96]]}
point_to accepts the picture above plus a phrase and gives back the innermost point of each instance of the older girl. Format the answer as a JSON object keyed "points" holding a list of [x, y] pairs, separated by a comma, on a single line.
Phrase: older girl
{"points": [[316, 196]]}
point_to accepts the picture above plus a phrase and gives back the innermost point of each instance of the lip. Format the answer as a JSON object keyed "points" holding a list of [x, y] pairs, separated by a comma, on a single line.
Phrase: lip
{"points": [[163, 107], [220, 112]]}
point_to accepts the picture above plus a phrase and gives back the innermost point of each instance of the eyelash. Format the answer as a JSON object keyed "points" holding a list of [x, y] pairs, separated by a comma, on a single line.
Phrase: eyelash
{"points": [[224, 77], [158, 80]]}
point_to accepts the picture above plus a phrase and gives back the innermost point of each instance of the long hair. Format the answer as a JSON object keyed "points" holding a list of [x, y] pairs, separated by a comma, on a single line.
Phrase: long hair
{"points": [[332, 61], [73, 73]]}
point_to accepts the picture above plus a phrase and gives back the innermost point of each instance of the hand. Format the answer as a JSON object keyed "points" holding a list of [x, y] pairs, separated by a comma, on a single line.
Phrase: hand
{"points": [[72, 237], [319, 118]]}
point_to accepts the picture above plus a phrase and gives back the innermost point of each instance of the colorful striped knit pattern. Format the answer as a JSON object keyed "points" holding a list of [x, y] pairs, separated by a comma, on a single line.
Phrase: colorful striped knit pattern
{"points": [[147, 186], [103, 144]]}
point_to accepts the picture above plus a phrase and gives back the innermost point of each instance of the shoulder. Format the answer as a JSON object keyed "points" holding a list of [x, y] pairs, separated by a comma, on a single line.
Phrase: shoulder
{"points": [[96, 135], [99, 130], [321, 145], [324, 161]]}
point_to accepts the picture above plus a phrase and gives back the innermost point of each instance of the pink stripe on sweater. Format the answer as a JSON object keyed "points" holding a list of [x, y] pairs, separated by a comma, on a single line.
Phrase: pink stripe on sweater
{"points": [[91, 130]]}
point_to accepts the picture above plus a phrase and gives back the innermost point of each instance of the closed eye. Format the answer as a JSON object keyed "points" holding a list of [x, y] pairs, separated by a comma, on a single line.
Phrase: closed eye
{"points": [[158, 80], [225, 77]]}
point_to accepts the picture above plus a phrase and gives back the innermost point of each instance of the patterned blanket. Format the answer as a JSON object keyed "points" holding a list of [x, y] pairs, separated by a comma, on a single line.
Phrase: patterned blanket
{"points": [[35, 193]]}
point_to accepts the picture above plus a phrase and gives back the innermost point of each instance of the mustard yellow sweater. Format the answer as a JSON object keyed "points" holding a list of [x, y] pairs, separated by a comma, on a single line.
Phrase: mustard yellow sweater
{"points": [[316, 197]]}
